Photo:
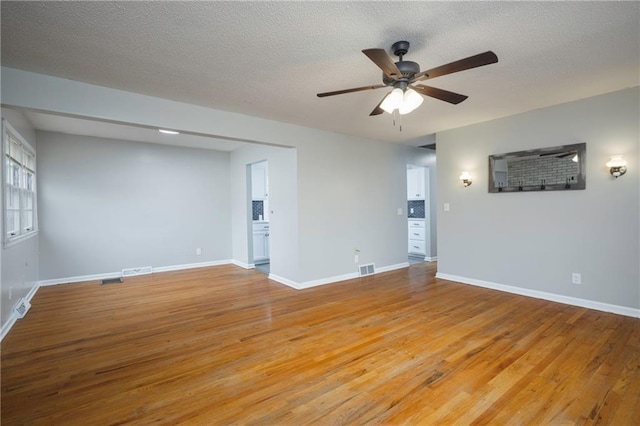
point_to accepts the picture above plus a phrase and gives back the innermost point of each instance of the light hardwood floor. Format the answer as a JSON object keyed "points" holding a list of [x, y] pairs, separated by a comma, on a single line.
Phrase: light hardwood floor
{"points": [[224, 345]]}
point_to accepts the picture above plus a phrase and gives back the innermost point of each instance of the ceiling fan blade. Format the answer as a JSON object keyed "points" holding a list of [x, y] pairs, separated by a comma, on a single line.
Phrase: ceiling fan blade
{"points": [[443, 95], [384, 62], [377, 110], [355, 89], [475, 61]]}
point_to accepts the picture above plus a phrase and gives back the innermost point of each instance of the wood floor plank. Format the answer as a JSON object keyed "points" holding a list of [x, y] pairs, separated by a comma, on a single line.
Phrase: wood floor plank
{"points": [[224, 345]]}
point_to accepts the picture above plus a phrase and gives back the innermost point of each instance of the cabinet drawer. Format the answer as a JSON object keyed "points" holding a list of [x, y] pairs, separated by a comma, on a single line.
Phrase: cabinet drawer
{"points": [[417, 247], [260, 226], [416, 234], [416, 224]]}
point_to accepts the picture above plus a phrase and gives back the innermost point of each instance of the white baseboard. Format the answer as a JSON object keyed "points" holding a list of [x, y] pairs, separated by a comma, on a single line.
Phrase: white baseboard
{"points": [[8, 325], [243, 265], [80, 278], [334, 279], [192, 265], [285, 281], [567, 300], [14, 317], [431, 259], [329, 280], [392, 267], [107, 275]]}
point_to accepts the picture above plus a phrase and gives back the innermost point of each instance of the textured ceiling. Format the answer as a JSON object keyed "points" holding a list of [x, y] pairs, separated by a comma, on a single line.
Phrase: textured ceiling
{"points": [[269, 59]]}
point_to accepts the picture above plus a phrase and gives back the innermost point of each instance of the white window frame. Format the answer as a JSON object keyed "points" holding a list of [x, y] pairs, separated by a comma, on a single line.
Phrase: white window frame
{"points": [[23, 232]]}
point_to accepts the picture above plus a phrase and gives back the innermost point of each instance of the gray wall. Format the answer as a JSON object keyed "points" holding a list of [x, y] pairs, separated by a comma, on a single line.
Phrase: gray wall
{"points": [[327, 198], [348, 188], [348, 196], [535, 240], [106, 205], [19, 262], [283, 232]]}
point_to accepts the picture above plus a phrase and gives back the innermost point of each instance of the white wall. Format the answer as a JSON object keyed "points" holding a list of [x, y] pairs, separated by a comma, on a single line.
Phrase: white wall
{"points": [[535, 240], [106, 205], [19, 262]]}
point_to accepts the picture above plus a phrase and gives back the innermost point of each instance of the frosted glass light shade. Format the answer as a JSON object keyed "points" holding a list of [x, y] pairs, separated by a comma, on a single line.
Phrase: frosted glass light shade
{"points": [[392, 101], [411, 101], [616, 161]]}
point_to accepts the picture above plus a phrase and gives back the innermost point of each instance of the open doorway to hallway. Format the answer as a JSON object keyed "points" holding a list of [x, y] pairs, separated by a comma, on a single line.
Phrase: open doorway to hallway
{"points": [[260, 228], [418, 226]]}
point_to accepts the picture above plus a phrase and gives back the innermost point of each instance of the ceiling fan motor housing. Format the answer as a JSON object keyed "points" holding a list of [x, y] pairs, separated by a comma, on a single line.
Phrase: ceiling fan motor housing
{"points": [[407, 68]]}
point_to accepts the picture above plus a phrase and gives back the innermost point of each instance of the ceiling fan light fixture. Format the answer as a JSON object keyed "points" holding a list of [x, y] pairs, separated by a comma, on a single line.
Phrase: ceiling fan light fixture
{"points": [[410, 101], [393, 101], [168, 132]]}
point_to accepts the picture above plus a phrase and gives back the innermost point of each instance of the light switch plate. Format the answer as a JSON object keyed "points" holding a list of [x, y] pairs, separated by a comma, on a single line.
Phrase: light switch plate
{"points": [[576, 278], [399, 211], [446, 207]]}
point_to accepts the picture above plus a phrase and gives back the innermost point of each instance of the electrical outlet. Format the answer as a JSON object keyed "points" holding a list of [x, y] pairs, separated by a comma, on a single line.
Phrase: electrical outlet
{"points": [[576, 278], [198, 251], [399, 211], [355, 259]]}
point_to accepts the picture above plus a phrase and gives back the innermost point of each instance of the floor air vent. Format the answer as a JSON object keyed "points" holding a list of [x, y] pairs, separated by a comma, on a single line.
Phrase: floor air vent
{"points": [[112, 281], [367, 269], [144, 270], [22, 308]]}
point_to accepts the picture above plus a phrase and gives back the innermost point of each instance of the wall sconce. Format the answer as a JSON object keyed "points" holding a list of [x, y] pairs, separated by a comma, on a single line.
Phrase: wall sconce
{"points": [[617, 165], [465, 177]]}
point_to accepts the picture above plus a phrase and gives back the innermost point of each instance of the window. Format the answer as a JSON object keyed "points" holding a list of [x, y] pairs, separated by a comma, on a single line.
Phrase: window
{"points": [[20, 215]]}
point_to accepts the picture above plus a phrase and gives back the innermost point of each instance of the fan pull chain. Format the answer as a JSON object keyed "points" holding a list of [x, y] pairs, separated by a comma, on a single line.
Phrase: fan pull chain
{"points": [[394, 115]]}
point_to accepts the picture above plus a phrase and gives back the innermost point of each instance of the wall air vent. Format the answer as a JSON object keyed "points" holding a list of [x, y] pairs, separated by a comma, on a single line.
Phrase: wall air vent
{"points": [[22, 308], [111, 281], [369, 269], [144, 270]]}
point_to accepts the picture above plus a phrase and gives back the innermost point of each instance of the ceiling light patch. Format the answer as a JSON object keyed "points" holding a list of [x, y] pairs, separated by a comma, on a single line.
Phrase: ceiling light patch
{"points": [[168, 132]]}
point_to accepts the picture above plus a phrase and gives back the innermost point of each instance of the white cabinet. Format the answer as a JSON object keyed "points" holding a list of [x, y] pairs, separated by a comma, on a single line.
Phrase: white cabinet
{"points": [[259, 181], [417, 237], [260, 243], [416, 183]]}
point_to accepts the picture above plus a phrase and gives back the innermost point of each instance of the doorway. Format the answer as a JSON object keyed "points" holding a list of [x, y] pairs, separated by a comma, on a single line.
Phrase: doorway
{"points": [[260, 228], [418, 220]]}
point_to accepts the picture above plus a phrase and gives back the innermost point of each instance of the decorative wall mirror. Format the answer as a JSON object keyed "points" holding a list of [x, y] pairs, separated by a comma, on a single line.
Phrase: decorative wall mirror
{"points": [[546, 169]]}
